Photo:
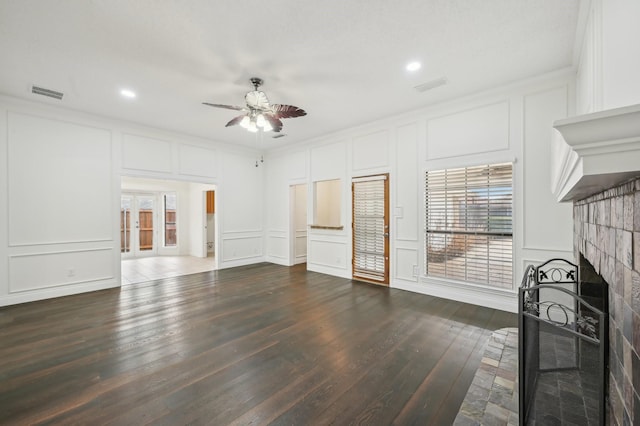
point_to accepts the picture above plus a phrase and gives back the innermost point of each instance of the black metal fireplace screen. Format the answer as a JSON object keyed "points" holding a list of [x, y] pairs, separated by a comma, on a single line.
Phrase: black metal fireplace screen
{"points": [[562, 344]]}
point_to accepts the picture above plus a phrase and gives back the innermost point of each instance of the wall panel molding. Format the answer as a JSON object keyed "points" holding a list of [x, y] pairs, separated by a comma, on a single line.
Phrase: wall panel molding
{"points": [[44, 270], [406, 184], [331, 254], [447, 135], [197, 161], [543, 227], [46, 158], [146, 154], [401, 269], [370, 151], [241, 247]]}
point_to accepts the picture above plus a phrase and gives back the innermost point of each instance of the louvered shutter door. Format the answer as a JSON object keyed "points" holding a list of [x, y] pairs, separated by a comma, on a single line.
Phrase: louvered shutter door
{"points": [[469, 224], [369, 229]]}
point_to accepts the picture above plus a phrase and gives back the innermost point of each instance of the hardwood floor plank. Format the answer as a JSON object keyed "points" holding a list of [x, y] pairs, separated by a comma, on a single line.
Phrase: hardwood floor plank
{"points": [[262, 344]]}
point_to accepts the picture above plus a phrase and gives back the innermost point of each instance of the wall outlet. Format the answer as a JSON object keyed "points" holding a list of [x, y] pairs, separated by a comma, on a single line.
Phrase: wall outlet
{"points": [[415, 270], [71, 272]]}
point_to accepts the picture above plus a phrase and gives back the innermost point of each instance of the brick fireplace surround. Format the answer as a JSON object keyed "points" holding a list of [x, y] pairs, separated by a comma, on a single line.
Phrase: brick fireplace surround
{"points": [[607, 233]]}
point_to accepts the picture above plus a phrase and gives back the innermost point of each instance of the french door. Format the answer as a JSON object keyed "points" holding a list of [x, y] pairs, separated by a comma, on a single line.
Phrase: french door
{"points": [[137, 230], [370, 228]]}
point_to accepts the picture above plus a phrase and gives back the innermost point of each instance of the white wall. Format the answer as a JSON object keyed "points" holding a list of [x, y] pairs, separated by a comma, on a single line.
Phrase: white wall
{"points": [[282, 171], [62, 192], [609, 56], [56, 157], [505, 124], [239, 206]]}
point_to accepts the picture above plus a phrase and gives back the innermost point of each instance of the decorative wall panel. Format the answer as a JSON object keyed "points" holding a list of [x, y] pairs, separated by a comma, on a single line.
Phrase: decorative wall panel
{"points": [[60, 182]]}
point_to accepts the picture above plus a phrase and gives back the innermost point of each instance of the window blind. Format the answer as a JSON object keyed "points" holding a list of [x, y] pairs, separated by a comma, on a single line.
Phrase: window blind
{"points": [[469, 224], [369, 229]]}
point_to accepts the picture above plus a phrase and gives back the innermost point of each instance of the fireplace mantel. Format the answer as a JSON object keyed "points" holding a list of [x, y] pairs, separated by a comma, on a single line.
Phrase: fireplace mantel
{"points": [[594, 152]]}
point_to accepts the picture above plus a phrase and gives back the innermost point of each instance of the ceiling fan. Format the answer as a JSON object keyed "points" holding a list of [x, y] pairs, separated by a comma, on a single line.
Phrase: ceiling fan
{"points": [[259, 114]]}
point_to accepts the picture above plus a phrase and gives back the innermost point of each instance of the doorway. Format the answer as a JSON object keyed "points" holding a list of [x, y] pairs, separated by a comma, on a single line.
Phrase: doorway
{"points": [[370, 232], [210, 223], [137, 230], [168, 239], [298, 224]]}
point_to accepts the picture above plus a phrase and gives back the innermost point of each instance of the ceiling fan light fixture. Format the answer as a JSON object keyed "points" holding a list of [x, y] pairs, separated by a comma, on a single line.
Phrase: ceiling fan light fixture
{"points": [[260, 121], [267, 126], [244, 123], [252, 127]]}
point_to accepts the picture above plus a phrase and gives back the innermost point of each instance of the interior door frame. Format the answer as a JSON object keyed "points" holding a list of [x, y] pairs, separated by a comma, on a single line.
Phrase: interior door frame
{"points": [[295, 231], [387, 247], [203, 224]]}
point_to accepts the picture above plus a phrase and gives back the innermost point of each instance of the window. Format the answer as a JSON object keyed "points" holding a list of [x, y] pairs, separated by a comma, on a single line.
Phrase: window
{"points": [[170, 236], [469, 224]]}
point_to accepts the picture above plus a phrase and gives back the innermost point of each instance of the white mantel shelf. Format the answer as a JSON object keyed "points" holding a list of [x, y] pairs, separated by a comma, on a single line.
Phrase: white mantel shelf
{"points": [[594, 152]]}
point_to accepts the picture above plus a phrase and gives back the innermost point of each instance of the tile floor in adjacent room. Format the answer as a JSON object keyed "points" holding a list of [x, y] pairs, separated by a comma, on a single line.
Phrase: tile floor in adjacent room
{"points": [[157, 267]]}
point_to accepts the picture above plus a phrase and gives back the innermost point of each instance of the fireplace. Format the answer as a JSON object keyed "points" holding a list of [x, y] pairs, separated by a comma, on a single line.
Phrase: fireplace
{"points": [[562, 346], [607, 236], [596, 165]]}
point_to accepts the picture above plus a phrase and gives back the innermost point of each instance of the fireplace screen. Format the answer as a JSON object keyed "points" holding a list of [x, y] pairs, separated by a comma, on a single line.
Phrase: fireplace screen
{"points": [[561, 349]]}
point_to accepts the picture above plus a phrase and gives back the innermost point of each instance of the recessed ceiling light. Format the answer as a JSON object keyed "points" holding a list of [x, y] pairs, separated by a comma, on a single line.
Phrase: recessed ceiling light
{"points": [[414, 66], [128, 93]]}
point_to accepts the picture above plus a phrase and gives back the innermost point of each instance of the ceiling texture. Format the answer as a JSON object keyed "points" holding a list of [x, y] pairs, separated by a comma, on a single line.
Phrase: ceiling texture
{"points": [[343, 61]]}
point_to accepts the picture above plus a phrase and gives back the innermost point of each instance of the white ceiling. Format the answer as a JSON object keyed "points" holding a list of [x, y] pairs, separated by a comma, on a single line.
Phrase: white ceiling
{"points": [[343, 61]]}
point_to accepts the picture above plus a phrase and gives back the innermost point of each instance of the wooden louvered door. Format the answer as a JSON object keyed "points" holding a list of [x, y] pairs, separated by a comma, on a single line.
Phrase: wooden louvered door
{"points": [[370, 228]]}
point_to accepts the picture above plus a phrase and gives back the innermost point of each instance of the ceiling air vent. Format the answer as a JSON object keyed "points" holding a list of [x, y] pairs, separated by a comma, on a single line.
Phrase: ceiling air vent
{"points": [[278, 135], [431, 84], [46, 92]]}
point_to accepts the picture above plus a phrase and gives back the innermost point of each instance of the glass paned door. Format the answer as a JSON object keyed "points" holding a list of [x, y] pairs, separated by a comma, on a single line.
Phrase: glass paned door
{"points": [[126, 203], [137, 225], [144, 224]]}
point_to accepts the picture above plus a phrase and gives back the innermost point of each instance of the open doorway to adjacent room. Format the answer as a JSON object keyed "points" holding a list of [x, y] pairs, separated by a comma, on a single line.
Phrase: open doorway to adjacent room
{"points": [[168, 228], [298, 224]]}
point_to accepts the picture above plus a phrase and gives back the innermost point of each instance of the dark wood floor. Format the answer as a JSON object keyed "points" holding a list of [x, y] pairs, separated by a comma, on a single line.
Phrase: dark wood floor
{"points": [[252, 345]]}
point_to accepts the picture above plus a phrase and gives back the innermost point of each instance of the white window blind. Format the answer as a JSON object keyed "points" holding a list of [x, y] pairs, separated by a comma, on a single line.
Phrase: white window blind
{"points": [[469, 224], [369, 229]]}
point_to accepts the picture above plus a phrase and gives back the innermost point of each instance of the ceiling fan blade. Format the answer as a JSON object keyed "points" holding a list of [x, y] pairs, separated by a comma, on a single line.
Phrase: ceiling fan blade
{"points": [[287, 111], [237, 108], [235, 121], [274, 121]]}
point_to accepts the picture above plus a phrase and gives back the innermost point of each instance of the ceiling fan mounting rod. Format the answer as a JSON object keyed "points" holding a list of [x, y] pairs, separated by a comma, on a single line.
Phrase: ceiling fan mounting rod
{"points": [[257, 82]]}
